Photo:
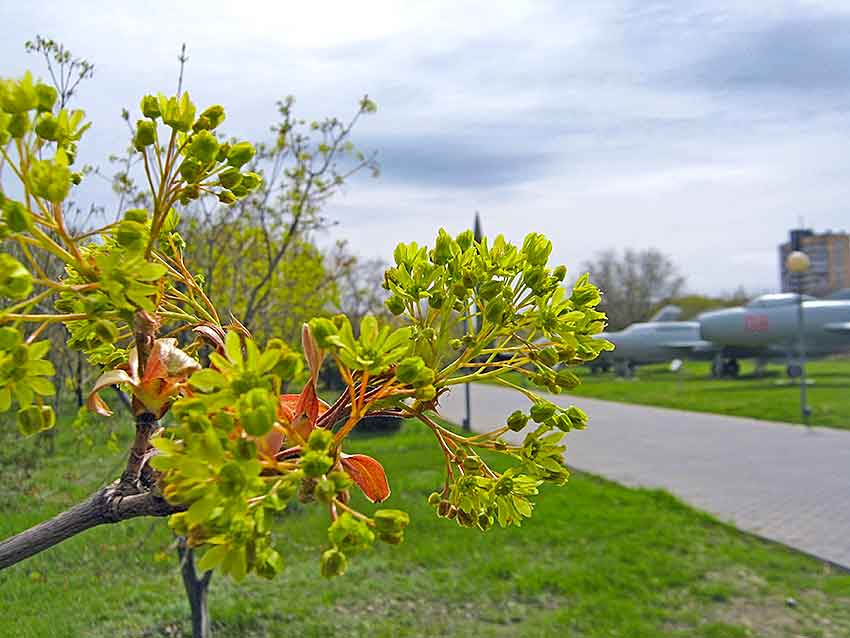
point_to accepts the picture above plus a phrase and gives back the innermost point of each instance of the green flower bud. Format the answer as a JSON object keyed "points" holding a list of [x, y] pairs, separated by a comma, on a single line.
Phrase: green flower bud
{"points": [[566, 379], [226, 197], [436, 300], [190, 170], [105, 330], [341, 480], [230, 178], [18, 96], [541, 411], [204, 147], [559, 273], [548, 355], [315, 464], [323, 330], [425, 393], [47, 127], [578, 417], [456, 344], [490, 289], [240, 154], [231, 480], [472, 464], [34, 418], [495, 310], [536, 249], [320, 440], [442, 252], [19, 125], [51, 179], [434, 498], [257, 412], [390, 525], [150, 107], [15, 280], [145, 134], [395, 305], [223, 150], [16, 216], [464, 240], [408, 370], [139, 215], [213, 116], [517, 421], [179, 114], [334, 563], [47, 96], [131, 235], [251, 181], [325, 490]]}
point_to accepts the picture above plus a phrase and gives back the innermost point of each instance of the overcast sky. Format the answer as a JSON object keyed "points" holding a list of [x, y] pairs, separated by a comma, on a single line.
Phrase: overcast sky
{"points": [[705, 129]]}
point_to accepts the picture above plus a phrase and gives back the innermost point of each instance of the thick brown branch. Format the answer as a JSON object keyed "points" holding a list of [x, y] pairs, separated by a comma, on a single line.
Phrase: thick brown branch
{"points": [[107, 505]]}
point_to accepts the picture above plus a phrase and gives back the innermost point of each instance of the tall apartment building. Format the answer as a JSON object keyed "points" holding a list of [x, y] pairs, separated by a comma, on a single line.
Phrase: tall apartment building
{"points": [[830, 261]]}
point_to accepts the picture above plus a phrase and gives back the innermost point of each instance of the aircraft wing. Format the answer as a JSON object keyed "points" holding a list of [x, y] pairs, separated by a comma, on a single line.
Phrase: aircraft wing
{"points": [[842, 327], [695, 345]]}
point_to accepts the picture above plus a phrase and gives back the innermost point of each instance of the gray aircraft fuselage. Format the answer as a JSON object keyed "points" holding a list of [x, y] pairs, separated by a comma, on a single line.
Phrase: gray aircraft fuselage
{"points": [[650, 342], [768, 327]]}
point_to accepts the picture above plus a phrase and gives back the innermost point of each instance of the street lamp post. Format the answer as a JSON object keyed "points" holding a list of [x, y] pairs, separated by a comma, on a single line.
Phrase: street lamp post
{"points": [[798, 263], [467, 420]]}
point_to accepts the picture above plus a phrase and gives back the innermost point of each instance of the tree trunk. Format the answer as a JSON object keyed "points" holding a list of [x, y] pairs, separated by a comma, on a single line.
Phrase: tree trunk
{"points": [[196, 590]]}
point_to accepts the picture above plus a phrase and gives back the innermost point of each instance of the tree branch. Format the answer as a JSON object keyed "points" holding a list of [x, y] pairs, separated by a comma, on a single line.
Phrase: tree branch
{"points": [[107, 505]]}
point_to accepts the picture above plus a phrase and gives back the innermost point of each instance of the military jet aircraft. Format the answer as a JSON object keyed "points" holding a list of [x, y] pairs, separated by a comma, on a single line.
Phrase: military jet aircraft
{"points": [[658, 340], [767, 329]]}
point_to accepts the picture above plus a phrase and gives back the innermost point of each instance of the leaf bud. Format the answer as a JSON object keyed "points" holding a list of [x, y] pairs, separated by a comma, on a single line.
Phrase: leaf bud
{"points": [[578, 417], [442, 252], [517, 421], [434, 498]]}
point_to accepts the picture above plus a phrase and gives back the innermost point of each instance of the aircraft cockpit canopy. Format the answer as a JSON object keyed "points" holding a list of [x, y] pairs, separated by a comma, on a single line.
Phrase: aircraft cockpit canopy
{"points": [[777, 299]]}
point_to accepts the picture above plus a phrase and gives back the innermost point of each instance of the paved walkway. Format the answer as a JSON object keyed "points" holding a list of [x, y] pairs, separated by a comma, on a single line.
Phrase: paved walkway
{"points": [[776, 480]]}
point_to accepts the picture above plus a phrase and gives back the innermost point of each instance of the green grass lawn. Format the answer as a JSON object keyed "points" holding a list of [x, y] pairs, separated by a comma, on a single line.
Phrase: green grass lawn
{"points": [[773, 397], [596, 560]]}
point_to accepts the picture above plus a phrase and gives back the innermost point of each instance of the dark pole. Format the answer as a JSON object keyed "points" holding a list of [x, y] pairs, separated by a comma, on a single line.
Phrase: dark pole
{"points": [[467, 421], [804, 405]]}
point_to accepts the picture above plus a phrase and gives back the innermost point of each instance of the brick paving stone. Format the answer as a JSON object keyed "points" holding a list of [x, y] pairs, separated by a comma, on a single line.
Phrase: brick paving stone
{"points": [[784, 482]]}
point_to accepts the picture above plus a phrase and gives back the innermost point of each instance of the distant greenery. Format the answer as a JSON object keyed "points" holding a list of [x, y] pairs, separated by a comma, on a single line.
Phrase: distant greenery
{"points": [[773, 398], [601, 560]]}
